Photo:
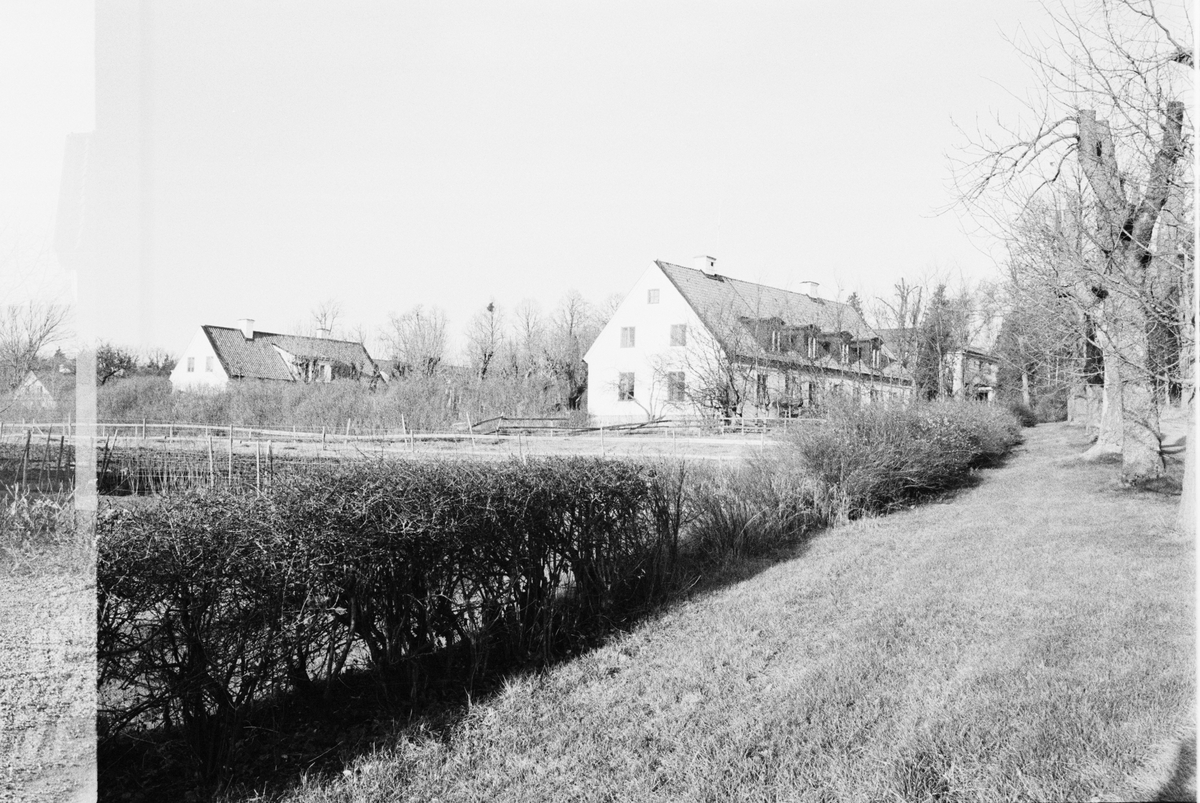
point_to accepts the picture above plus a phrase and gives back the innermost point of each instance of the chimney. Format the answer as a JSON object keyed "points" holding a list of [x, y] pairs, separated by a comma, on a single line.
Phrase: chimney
{"points": [[322, 333], [705, 263], [810, 289], [247, 327]]}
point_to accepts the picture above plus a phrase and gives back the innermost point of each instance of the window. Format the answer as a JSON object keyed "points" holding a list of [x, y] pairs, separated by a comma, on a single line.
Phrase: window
{"points": [[676, 386], [627, 337], [762, 388], [810, 347], [775, 341], [679, 334], [625, 387], [326, 372], [652, 296], [191, 364], [208, 364]]}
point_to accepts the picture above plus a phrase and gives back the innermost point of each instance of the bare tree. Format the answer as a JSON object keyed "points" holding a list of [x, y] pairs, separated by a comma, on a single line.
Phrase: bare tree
{"points": [[572, 329], [484, 338], [25, 330], [325, 316], [528, 340], [417, 339], [1113, 77], [157, 362]]}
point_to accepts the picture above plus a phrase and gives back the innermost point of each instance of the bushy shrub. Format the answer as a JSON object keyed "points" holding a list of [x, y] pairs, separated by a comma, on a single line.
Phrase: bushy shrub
{"points": [[1052, 407], [872, 457], [135, 398], [1023, 413], [747, 509], [210, 603]]}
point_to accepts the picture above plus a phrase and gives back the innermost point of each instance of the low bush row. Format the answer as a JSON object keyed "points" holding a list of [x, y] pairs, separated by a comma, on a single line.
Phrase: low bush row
{"points": [[414, 402], [868, 459], [212, 603]]}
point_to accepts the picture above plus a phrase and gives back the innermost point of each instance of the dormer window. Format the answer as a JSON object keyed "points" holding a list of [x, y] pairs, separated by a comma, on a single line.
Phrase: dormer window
{"points": [[652, 296], [627, 337]]}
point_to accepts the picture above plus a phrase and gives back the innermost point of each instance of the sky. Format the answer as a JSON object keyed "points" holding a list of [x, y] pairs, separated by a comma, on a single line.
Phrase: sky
{"points": [[265, 157]]}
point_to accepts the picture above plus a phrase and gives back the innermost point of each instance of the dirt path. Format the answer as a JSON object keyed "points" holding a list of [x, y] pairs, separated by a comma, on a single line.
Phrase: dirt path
{"points": [[47, 682]]}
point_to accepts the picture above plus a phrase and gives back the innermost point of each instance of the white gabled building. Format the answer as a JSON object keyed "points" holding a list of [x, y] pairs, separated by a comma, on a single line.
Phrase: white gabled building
{"points": [[219, 354], [689, 342]]}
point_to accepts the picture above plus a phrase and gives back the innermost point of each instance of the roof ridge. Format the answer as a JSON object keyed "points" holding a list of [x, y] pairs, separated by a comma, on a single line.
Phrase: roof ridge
{"points": [[729, 278], [284, 334]]}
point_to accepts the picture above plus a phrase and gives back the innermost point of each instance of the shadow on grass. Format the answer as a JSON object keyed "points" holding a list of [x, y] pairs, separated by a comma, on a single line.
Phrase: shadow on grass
{"points": [[318, 733]]}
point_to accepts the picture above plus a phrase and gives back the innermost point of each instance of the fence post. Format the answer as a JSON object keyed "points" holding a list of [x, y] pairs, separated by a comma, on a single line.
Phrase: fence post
{"points": [[270, 466], [62, 442], [46, 457], [143, 428], [322, 436], [25, 459], [258, 467], [211, 468], [230, 477]]}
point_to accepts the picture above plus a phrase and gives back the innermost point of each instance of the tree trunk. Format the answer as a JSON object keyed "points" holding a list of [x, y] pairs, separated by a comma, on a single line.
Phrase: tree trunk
{"points": [[1025, 398], [1124, 234], [1187, 503], [1110, 438], [1139, 403], [1187, 375]]}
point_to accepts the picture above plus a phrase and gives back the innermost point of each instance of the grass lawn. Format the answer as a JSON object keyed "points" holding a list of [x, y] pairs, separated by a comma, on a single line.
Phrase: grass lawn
{"points": [[1031, 638]]}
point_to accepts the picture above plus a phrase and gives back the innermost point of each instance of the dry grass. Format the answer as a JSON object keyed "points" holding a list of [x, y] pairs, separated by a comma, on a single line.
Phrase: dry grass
{"points": [[1031, 638]]}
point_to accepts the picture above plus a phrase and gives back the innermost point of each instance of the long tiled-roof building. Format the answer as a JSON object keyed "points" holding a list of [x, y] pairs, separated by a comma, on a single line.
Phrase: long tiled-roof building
{"points": [[692, 342], [220, 354]]}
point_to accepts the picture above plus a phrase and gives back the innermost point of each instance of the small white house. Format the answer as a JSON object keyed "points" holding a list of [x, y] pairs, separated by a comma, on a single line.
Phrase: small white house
{"points": [[689, 342], [45, 390], [219, 354]]}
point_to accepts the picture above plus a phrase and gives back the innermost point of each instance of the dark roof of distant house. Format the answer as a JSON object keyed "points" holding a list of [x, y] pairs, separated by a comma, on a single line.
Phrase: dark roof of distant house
{"points": [[729, 306], [258, 357]]}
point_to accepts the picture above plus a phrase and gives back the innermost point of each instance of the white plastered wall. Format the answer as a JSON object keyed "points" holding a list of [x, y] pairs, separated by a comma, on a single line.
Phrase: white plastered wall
{"points": [[199, 378], [650, 358]]}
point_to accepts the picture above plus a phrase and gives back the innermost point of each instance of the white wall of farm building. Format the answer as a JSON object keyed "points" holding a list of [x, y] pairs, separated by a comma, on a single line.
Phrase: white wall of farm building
{"points": [[649, 359], [198, 366]]}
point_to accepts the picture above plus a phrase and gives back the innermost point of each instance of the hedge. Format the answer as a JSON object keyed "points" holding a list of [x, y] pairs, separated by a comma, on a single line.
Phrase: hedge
{"points": [[212, 603]]}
